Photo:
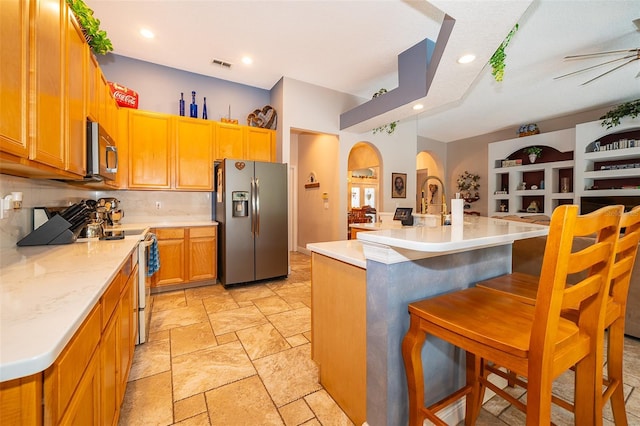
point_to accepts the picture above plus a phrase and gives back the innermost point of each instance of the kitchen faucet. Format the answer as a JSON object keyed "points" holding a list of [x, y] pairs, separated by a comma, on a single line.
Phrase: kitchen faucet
{"points": [[443, 210]]}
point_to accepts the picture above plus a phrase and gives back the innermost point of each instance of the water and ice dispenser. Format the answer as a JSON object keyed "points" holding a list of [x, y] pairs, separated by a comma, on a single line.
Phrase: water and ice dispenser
{"points": [[240, 203]]}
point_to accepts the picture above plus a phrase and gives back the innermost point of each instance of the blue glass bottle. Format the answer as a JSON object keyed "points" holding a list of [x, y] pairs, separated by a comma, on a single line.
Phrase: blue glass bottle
{"points": [[193, 110], [204, 108], [181, 104]]}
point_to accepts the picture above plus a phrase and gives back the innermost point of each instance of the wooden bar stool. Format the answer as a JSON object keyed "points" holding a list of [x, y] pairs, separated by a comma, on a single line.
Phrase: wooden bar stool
{"points": [[524, 287], [533, 341]]}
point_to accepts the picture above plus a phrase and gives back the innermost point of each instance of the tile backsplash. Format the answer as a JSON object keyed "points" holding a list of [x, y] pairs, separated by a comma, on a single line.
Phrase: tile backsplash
{"points": [[137, 205]]}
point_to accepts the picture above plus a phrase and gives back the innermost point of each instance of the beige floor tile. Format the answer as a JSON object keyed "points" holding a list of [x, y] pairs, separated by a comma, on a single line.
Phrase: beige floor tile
{"points": [[158, 335], [220, 302], [297, 340], [294, 322], [148, 402], [150, 358], [199, 420], [189, 407], [289, 375], [262, 340], [210, 368], [301, 293], [179, 317], [236, 319], [296, 413], [191, 338], [244, 402], [326, 409], [226, 338], [198, 293], [312, 422], [169, 300], [247, 293], [272, 305]]}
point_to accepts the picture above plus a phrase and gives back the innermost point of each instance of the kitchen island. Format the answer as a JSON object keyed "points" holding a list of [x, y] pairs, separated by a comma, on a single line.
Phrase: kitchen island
{"points": [[403, 265]]}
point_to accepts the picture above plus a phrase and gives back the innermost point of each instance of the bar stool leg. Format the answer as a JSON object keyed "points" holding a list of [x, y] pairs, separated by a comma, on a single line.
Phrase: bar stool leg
{"points": [[474, 398], [411, 353], [614, 371]]}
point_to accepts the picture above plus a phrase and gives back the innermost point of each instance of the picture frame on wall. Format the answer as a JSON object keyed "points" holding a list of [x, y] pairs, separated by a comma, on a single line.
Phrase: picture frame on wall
{"points": [[398, 185]]}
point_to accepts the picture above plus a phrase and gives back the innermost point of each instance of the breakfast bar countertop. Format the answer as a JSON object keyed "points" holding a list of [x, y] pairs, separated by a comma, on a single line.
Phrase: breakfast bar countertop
{"points": [[476, 232]]}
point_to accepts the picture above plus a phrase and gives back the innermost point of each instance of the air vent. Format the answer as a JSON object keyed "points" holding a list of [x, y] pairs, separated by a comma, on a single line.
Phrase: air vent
{"points": [[222, 63]]}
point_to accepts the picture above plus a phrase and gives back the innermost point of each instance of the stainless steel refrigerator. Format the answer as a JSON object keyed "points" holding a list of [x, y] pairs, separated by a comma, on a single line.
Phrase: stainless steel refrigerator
{"points": [[251, 208]]}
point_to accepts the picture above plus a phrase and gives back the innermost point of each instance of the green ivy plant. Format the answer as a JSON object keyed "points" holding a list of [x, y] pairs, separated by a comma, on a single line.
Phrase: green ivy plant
{"points": [[388, 128], [612, 118], [97, 38], [535, 150], [498, 57]]}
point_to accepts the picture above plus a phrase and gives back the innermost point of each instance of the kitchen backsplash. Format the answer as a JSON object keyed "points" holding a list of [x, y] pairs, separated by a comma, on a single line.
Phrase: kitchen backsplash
{"points": [[138, 206]]}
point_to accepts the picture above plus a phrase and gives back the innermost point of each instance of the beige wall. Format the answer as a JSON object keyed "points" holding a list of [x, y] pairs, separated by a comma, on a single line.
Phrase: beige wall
{"points": [[318, 220]]}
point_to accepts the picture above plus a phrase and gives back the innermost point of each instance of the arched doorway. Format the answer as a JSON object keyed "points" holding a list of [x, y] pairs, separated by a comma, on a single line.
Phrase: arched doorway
{"points": [[427, 164], [363, 183]]}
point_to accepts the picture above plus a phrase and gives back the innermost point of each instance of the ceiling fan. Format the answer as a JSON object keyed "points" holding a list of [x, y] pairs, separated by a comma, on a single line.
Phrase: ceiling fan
{"points": [[626, 55]]}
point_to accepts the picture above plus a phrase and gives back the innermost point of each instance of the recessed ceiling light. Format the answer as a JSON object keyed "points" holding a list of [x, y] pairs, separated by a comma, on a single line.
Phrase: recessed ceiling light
{"points": [[146, 33], [465, 59], [247, 60], [418, 107]]}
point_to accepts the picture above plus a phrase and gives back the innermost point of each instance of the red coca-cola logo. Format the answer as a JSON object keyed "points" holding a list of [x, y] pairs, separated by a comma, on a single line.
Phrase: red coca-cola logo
{"points": [[124, 96]]}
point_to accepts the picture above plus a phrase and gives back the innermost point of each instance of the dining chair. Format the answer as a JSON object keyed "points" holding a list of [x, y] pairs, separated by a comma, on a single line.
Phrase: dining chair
{"points": [[533, 341], [524, 287]]}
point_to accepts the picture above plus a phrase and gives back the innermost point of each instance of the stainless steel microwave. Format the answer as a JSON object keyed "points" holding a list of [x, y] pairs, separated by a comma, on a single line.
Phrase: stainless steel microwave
{"points": [[102, 153]]}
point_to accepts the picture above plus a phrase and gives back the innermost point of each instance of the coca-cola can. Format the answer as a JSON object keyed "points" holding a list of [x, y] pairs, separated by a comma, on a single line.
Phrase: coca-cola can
{"points": [[124, 96]]}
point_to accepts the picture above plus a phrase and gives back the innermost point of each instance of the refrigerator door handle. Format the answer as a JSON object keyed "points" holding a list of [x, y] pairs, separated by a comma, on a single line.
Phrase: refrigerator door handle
{"points": [[257, 207], [253, 207]]}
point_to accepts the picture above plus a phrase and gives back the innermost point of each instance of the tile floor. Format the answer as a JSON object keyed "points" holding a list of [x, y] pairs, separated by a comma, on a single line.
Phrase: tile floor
{"points": [[242, 357]]}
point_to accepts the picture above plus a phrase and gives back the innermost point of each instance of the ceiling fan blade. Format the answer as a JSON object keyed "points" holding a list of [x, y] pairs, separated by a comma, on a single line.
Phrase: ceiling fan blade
{"points": [[594, 66], [611, 70], [610, 52]]}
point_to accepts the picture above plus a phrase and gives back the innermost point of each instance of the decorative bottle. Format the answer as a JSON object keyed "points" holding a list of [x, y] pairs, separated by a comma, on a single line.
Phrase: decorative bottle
{"points": [[182, 104], [204, 108], [193, 110]]}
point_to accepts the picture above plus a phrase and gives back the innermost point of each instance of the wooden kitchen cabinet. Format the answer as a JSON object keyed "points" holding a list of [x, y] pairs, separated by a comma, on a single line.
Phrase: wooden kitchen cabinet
{"points": [[14, 73], [150, 150], [76, 129], [194, 154], [260, 144], [187, 255], [127, 330], [229, 141], [171, 249], [21, 401], [202, 253], [84, 408], [47, 50]]}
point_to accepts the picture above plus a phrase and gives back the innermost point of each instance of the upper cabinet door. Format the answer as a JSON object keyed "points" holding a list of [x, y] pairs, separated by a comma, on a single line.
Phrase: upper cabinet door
{"points": [[229, 141], [194, 154], [14, 73], [48, 62], [75, 97], [260, 144], [150, 150], [91, 85]]}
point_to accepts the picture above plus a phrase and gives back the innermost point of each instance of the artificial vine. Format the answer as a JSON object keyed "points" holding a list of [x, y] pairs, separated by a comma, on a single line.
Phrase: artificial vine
{"points": [[97, 38], [612, 118], [388, 128], [498, 57]]}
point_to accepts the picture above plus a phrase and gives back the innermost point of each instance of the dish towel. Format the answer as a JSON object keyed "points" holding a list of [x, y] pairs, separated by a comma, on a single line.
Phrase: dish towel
{"points": [[153, 257]]}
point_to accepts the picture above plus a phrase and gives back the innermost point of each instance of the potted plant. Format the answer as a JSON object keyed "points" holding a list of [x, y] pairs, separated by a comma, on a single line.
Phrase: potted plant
{"points": [[534, 152], [97, 38], [612, 118]]}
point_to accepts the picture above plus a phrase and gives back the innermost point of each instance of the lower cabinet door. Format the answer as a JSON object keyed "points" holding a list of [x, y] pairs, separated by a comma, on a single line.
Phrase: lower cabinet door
{"points": [[109, 355], [84, 408]]}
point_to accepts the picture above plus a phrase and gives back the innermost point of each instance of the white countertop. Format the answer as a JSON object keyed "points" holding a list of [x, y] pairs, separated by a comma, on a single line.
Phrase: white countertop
{"points": [[348, 251], [46, 292], [476, 232]]}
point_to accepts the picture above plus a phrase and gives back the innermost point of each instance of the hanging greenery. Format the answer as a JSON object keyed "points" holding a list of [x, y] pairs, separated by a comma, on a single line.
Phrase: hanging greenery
{"points": [[388, 128], [97, 38], [612, 118], [497, 60]]}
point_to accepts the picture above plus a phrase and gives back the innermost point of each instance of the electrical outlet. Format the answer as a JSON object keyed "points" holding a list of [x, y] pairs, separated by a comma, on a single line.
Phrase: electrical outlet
{"points": [[158, 205]]}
